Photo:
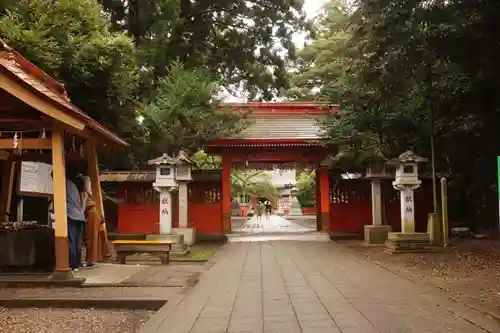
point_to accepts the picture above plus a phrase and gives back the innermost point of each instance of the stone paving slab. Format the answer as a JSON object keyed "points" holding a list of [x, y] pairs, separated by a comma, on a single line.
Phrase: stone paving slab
{"points": [[310, 287], [108, 273], [141, 275]]}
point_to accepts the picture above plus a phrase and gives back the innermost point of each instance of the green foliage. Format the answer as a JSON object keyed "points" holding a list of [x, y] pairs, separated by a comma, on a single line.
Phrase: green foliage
{"points": [[263, 189], [71, 41], [161, 56], [320, 64], [253, 184], [410, 69], [204, 161], [306, 185], [239, 42], [185, 113], [246, 182]]}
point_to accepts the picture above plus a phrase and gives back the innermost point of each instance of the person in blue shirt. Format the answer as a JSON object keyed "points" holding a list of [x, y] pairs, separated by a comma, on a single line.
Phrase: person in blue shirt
{"points": [[76, 219]]}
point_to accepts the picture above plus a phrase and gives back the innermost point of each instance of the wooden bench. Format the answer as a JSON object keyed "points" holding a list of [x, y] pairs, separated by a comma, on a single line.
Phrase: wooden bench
{"points": [[158, 248]]}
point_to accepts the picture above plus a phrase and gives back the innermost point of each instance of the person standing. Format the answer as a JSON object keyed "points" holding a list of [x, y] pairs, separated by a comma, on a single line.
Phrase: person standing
{"points": [[76, 220], [93, 222], [260, 210], [269, 208]]}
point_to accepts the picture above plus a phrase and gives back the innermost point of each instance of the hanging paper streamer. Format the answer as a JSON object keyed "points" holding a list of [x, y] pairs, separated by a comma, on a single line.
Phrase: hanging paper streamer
{"points": [[15, 141], [43, 135], [73, 145], [81, 150]]}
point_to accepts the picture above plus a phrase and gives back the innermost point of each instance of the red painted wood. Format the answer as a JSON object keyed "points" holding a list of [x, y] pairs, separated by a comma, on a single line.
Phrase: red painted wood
{"points": [[309, 210], [136, 216], [138, 219], [206, 218], [288, 107], [350, 217], [143, 219], [262, 141], [324, 190], [351, 206], [226, 186]]}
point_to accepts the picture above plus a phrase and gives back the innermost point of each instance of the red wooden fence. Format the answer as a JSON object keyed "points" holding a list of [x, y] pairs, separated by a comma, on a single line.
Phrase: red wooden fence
{"points": [[139, 211], [350, 209], [350, 201]]}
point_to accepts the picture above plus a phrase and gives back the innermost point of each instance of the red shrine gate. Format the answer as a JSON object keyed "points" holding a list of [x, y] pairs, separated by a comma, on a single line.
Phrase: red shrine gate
{"points": [[284, 134]]}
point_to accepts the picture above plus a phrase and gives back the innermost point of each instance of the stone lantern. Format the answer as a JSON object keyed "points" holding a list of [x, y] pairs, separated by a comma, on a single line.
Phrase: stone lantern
{"points": [[165, 183], [376, 233], [182, 177], [407, 182]]}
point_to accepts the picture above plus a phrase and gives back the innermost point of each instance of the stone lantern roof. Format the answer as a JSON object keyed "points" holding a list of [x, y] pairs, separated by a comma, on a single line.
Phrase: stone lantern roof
{"points": [[407, 157], [164, 160], [183, 158]]}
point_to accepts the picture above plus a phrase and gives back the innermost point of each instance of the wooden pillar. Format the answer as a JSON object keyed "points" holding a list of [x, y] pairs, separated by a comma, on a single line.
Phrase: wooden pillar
{"points": [[8, 173], [318, 201], [93, 172], [62, 270], [226, 194], [324, 193]]}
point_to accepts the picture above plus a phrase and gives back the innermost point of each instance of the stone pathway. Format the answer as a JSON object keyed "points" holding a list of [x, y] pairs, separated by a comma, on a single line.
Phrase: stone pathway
{"points": [[271, 224], [310, 287]]}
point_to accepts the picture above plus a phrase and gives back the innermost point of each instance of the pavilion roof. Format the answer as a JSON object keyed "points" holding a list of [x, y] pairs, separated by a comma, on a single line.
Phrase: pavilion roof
{"points": [[13, 64]]}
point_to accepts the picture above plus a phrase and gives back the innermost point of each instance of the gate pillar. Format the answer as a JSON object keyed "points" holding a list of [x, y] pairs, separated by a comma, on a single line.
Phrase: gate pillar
{"points": [[226, 194], [324, 194]]}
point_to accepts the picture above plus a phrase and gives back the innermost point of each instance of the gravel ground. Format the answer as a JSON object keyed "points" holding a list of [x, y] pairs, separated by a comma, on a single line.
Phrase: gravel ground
{"points": [[71, 320], [469, 270]]}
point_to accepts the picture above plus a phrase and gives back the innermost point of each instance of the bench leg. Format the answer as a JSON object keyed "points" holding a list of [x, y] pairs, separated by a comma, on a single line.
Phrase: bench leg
{"points": [[164, 258], [121, 256]]}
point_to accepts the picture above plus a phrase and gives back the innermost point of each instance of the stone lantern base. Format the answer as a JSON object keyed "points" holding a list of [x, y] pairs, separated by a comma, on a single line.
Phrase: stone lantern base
{"points": [[179, 247], [376, 234], [188, 234], [398, 242]]}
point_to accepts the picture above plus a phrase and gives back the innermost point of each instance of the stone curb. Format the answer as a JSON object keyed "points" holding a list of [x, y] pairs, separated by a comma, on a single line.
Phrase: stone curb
{"points": [[129, 285], [23, 283], [84, 303]]}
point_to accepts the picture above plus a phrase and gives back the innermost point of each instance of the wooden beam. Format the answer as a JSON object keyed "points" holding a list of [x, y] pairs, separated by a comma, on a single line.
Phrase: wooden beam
{"points": [[53, 110], [20, 120], [7, 187], [41, 144], [60, 213], [93, 172]]}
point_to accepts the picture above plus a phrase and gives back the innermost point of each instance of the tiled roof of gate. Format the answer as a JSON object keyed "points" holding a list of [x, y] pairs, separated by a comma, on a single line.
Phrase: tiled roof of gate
{"points": [[282, 127]]}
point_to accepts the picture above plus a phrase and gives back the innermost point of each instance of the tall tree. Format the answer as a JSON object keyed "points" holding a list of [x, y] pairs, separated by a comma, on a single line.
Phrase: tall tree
{"points": [[414, 68], [185, 113], [244, 44], [72, 42]]}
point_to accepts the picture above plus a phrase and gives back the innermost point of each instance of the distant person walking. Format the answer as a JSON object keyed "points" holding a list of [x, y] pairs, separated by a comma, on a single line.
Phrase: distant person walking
{"points": [[269, 208], [260, 209]]}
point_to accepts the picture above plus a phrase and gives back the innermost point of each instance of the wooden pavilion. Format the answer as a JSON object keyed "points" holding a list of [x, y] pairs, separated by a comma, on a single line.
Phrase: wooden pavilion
{"points": [[38, 122]]}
